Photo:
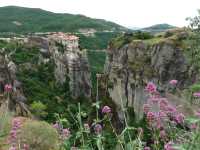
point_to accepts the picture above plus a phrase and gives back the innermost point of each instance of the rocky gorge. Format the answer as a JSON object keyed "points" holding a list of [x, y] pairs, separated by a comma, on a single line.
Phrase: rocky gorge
{"points": [[74, 82], [51, 78], [131, 63]]}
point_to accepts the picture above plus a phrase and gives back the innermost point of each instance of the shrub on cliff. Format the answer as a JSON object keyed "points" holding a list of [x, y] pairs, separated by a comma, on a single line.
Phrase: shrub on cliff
{"points": [[39, 135], [38, 109], [5, 126]]}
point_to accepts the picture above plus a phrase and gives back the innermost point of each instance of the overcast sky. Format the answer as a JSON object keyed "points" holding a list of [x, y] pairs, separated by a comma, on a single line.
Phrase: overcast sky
{"points": [[129, 13]]}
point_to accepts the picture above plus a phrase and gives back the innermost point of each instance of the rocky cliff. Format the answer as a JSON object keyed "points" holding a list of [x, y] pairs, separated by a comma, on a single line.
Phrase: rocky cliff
{"points": [[132, 63], [69, 62], [49, 70], [11, 91]]}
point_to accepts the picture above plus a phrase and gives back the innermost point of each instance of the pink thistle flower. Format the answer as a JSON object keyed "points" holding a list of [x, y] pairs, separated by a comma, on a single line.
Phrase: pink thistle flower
{"points": [[66, 133], [147, 148], [151, 87], [56, 126], [8, 88], [193, 126], [16, 124], [150, 116], [171, 109], [180, 118], [12, 148], [196, 94], [163, 104], [106, 110], [168, 146], [98, 128], [173, 82]]}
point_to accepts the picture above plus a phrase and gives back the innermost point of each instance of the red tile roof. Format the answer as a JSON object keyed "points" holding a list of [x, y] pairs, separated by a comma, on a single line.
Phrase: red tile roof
{"points": [[64, 36]]}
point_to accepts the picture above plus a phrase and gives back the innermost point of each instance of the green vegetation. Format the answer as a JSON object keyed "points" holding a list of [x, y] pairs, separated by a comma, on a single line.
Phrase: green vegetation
{"points": [[177, 37], [44, 95], [99, 41], [24, 20], [121, 40], [5, 126], [24, 55], [96, 61], [18, 20], [39, 85], [81, 124], [38, 109]]}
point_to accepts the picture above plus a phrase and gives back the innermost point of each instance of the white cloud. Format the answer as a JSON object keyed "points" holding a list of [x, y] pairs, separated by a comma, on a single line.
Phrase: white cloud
{"points": [[138, 13]]}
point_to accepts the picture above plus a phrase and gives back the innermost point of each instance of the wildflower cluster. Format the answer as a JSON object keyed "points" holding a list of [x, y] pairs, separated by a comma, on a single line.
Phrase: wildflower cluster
{"points": [[63, 132], [85, 131], [8, 88], [13, 137], [160, 114], [98, 128], [196, 94], [106, 110], [173, 82]]}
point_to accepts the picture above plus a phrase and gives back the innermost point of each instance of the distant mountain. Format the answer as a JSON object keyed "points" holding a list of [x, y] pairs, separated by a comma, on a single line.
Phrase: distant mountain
{"points": [[158, 28], [134, 28], [20, 20]]}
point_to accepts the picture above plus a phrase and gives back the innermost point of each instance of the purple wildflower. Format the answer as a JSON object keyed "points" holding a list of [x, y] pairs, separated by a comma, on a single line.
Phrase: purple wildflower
{"points": [[168, 146], [147, 148], [66, 133], [98, 128], [106, 110], [179, 118], [151, 87], [8, 88], [173, 82], [196, 94]]}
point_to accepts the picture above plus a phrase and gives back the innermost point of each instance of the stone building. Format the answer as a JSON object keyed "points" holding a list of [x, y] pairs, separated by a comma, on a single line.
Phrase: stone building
{"points": [[71, 42]]}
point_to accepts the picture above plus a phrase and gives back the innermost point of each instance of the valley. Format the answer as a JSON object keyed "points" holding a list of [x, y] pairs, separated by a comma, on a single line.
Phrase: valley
{"points": [[71, 82]]}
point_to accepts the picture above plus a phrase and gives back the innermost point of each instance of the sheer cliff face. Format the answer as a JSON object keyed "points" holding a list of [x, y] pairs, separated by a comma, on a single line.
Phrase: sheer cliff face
{"points": [[39, 62], [132, 65], [71, 63], [15, 100]]}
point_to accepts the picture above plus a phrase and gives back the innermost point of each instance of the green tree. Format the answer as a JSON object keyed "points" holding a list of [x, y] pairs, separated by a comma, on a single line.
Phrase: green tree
{"points": [[194, 41], [38, 109]]}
